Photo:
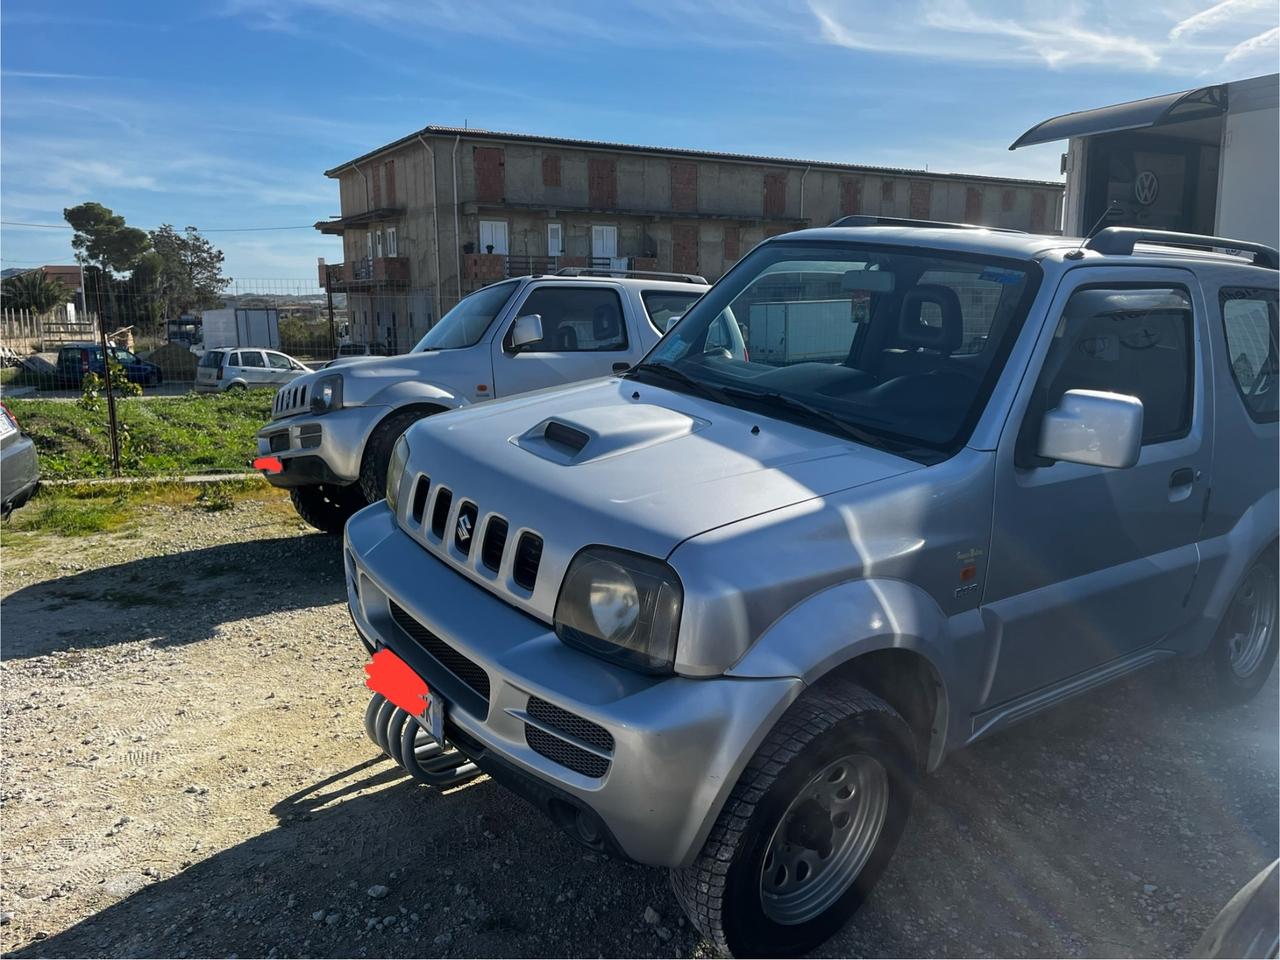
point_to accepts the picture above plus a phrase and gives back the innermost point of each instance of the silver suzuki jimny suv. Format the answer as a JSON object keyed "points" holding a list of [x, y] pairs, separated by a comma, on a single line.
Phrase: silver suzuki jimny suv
{"points": [[718, 614], [331, 433]]}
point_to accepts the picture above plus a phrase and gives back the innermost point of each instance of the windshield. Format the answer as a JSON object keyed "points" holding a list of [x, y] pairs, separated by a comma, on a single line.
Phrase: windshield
{"points": [[898, 347], [465, 324]]}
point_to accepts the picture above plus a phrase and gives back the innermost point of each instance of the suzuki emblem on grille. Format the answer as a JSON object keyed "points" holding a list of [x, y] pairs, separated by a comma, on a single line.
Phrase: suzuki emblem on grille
{"points": [[464, 528]]}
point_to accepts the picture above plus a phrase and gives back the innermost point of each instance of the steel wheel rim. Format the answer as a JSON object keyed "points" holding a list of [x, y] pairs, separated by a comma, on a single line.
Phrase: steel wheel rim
{"points": [[824, 839], [1251, 619]]}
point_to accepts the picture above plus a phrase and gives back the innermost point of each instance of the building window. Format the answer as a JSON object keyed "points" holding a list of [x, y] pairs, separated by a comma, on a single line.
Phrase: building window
{"points": [[393, 247], [491, 183], [921, 196], [551, 171], [775, 194], [886, 194], [602, 183], [555, 239], [850, 195], [377, 243], [493, 233], [390, 168], [684, 186]]}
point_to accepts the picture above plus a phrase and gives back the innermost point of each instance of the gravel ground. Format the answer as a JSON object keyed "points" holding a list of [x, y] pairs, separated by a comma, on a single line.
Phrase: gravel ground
{"points": [[185, 774]]}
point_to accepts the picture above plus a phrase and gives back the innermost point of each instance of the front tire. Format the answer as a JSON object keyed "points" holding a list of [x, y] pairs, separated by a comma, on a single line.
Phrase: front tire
{"points": [[325, 506], [808, 829], [377, 452]]}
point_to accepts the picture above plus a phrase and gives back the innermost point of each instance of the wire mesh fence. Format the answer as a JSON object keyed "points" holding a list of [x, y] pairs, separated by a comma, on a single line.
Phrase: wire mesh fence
{"points": [[196, 367]]}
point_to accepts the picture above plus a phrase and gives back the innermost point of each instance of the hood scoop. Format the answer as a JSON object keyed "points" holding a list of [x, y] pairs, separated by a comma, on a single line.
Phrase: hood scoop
{"points": [[585, 436]]}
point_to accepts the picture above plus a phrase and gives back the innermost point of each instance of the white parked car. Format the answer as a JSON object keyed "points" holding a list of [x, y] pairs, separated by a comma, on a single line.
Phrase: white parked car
{"points": [[246, 368]]}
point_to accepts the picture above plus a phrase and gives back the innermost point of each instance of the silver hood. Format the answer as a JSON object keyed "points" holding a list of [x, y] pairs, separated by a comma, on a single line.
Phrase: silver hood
{"points": [[620, 463], [373, 381]]}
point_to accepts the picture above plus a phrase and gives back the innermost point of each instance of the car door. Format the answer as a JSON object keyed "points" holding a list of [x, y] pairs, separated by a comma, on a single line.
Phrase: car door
{"points": [[1088, 564], [279, 368], [253, 369], [584, 335]]}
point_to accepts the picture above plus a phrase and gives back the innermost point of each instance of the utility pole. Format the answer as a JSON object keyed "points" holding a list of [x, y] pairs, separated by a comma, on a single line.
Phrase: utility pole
{"points": [[333, 328]]}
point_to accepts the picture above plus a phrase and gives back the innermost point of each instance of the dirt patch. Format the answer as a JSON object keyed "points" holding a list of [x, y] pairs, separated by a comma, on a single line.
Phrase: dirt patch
{"points": [[185, 774]]}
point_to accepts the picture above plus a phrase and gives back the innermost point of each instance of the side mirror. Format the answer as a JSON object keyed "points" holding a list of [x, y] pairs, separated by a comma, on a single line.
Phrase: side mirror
{"points": [[1093, 427], [526, 330]]}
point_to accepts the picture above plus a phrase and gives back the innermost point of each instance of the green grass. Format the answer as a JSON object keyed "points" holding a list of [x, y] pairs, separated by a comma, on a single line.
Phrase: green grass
{"points": [[72, 517], [167, 436]]}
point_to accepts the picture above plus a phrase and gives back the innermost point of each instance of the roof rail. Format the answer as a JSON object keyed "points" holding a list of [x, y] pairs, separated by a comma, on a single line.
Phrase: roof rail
{"points": [[1121, 240], [867, 220], [641, 274]]}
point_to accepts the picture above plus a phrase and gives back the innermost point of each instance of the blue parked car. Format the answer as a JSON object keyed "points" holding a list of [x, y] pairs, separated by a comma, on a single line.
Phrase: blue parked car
{"points": [[76, 360]]}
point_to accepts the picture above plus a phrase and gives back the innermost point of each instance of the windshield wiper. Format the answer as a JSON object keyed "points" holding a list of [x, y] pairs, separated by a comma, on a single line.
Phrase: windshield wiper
{"points": [[679, 376], [808, 410]]}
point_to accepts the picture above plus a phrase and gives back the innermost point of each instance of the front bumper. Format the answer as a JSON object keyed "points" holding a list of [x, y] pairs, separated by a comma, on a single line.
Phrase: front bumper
{"points": [[679, 744], [318, 449]]}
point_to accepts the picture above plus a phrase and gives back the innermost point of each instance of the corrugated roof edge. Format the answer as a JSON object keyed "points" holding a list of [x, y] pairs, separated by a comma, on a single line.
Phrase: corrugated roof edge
{"points": [[479, 134]]}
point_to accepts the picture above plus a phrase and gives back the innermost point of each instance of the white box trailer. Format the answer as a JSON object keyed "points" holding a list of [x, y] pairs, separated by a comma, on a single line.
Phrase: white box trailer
{"points": [[815, 330], [241, 327], [1203, 161]]}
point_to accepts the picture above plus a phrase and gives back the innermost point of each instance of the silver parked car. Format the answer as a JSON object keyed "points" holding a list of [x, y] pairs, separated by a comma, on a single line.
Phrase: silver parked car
{"points": [[245, 368], [718, 614], [331, 434], [19, 464]]}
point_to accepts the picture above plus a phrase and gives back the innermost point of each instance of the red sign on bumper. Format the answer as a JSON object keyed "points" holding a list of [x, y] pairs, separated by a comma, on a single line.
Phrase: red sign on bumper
{"points": [[395, 680]]}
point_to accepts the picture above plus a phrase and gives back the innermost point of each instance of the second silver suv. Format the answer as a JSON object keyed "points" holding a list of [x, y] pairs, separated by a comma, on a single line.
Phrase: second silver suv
{"points": [[331, 433]]}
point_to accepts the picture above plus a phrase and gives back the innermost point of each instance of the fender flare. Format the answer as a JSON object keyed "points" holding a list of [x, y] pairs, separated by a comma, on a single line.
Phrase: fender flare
{"points": [[834, 627]]}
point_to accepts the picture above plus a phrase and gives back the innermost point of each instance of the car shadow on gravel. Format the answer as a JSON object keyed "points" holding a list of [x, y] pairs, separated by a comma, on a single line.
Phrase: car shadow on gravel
{"points": [[1115, 826], [173, 598]]}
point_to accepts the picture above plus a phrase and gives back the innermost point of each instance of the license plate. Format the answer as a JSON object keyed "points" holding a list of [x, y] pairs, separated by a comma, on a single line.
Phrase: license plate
{"points": [[6, 425], [390, 676]]}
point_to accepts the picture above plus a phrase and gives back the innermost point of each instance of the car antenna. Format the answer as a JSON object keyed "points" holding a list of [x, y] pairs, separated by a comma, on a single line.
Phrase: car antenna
{"points": [[1113, 212]]}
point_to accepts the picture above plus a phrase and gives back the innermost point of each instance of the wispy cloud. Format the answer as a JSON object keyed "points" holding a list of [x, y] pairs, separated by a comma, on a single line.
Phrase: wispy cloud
{"points": [[45, 75], [1263, 43], [1060, 38]]}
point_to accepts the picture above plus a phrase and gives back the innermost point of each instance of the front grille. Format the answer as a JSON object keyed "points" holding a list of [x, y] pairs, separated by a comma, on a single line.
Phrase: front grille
{"points": [[440, 514], [420, 498], [565, 753], [465, 529], [528, 557], [575, 726], [289, 400], [495, 541], [465, 669]]}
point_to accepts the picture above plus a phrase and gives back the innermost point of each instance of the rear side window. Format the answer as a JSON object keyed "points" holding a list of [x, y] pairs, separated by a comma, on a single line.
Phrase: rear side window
{"points": [[1249, 323], [212, 359], [1130, 340], [663, 305]]}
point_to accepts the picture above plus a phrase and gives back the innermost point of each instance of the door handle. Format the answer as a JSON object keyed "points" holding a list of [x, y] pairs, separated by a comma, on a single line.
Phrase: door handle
{"points": [[621, 367], [1182, 477]]}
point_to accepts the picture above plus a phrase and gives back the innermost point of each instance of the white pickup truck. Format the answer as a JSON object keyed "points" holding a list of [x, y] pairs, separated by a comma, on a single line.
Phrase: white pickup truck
{"points": [[331, 432]]}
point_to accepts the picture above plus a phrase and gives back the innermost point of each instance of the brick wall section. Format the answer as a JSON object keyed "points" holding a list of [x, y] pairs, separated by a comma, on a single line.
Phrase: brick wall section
{"points": [[644, 263], [684, 186], [775, 194], [551, 171], [485, 267], [684, 247], [391, 183], [921, 193], [972, 205], [1037, 212], [491, 179], [732, 244], [602, 183], [850, 196]]}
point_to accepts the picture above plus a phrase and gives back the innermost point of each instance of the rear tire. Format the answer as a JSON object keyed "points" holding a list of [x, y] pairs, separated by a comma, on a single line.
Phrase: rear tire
{"points": [[377, 452], [808, 829], [325, 506], [1243, 652]]}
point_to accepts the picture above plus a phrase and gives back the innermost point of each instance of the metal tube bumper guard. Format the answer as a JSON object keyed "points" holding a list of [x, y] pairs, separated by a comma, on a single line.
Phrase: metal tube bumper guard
{"points": [[318, 449], [675, 746]]}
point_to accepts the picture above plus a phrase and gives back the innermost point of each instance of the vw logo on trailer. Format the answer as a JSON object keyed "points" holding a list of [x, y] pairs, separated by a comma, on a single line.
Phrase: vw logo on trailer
{"points": [[1146, 187], [464, 528]]}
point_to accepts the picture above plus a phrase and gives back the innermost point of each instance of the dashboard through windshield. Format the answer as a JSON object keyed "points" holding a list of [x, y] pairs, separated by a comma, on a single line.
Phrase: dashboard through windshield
{"points": [[895, 346]]}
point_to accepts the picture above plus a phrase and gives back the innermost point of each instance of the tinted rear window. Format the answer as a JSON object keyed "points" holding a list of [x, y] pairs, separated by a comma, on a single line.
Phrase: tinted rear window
{"points": [[211, 359], [662, 305]]}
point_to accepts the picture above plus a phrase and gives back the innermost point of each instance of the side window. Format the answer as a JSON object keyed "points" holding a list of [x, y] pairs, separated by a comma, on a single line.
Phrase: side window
{"points": [[251, 358], [279, 361], [1249, 323], [584, 319], [1129, 340], [233, 359], [663, 305], [978, 294]]}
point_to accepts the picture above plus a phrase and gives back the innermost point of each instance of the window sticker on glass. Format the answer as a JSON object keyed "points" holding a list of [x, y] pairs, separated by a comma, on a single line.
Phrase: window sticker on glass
{"points": [[997, 275], [669, 348]]}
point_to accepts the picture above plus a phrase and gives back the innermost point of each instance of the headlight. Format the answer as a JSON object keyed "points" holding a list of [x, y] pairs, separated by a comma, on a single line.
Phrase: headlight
{"points": [[326, 393], [395, 472], [621, 606]]}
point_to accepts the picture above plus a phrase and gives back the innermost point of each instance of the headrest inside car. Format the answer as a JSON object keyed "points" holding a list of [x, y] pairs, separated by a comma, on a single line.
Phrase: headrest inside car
{"points": [[931, 318]]}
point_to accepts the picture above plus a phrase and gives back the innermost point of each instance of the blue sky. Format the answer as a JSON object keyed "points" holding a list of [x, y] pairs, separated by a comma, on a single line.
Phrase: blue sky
{"points": [[225, 114]]}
